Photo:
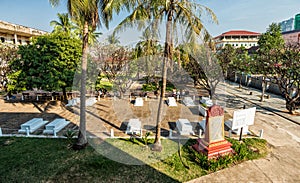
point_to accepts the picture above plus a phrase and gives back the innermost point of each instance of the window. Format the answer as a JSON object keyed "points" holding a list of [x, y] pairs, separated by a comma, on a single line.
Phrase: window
{"points": [[2, 39]]}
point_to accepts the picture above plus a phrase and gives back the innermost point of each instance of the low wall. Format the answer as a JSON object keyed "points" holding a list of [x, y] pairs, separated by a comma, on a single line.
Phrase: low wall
{"points": [[255, 82]]}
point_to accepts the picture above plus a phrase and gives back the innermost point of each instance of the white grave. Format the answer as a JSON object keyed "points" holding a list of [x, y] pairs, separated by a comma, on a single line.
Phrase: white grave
{"points": [[207, 101], [188, 101], [184, 127], [32, 125], [71, 102], [55, 126], [171, 101], [202, 124], [91, 101], [241, 118], [202, 110], [133, 127], [139, 101]]}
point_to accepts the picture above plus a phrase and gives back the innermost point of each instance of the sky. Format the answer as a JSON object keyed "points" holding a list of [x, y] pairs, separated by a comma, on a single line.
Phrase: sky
{"points": [[251, 15]]}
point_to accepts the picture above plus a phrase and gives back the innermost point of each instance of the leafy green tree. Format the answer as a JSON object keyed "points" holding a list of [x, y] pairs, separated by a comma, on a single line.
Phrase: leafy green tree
{"points": [[225, 57], [287, 75], [49, 63], [241, 63], [8, 53], [271, 45]]}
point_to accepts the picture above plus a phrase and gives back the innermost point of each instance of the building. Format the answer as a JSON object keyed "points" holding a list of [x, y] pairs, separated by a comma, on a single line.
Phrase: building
{"points": [[291, 37], [297, 22], [237, 38], [287, 25], [17, 34]]}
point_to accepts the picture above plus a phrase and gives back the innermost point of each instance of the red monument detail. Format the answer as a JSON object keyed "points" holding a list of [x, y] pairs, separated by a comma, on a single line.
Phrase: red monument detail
{"points": [[214, 144]]}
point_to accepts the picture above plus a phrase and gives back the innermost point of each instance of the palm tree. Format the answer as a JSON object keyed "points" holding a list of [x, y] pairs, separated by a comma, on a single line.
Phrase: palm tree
{"points": [[186, 13], [87, 12], [64, 23], [113, 39]]}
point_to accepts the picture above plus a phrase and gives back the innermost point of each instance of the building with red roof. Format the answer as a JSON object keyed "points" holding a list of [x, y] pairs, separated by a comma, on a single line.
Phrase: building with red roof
{"points": [[237, 38]]}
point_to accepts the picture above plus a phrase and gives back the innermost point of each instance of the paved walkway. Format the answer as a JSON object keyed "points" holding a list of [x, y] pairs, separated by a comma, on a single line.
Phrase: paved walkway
{"points": [[282, 133], [275, 103]]}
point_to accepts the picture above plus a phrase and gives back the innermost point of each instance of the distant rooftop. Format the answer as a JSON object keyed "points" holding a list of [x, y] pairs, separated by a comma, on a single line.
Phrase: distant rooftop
{"points": [[239, 33], [6, 27]]}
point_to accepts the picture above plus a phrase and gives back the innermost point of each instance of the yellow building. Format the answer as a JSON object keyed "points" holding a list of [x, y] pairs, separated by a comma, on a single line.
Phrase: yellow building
{"points": [[237, 38], [17, 34]]}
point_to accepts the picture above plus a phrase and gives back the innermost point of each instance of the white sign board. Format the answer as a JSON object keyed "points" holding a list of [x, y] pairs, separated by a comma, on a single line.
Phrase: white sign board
{"points": [[242, 118]]}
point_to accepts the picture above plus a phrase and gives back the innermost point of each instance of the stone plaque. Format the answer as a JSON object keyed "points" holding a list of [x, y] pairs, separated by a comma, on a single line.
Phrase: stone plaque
{"points": [[216, 132]]}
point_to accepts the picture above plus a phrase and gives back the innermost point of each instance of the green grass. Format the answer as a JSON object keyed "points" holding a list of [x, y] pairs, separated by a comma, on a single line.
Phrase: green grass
{"points": [[50, 160]]}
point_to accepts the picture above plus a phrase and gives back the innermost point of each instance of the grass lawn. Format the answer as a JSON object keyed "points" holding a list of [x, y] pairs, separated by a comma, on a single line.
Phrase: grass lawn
{"points": [[49, 160]]}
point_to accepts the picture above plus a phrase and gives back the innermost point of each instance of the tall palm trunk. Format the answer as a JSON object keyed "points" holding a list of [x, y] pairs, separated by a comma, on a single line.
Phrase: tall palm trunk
{"points": [[82, 139], [167, 59]]}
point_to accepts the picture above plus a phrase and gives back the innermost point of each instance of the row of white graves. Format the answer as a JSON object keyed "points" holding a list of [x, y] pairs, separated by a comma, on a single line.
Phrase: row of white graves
{"points": [[35, 123]]}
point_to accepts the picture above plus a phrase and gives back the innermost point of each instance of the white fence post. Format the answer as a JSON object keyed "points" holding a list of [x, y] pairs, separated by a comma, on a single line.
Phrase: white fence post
{"points": [[112, 133], [0, 132]]}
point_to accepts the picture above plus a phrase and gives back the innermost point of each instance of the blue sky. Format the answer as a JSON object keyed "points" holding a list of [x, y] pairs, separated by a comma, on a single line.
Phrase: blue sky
{"points": [[252, 15]]}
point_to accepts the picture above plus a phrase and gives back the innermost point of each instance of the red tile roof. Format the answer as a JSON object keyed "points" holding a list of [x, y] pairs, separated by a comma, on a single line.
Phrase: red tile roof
{"points": [[239, 33]]}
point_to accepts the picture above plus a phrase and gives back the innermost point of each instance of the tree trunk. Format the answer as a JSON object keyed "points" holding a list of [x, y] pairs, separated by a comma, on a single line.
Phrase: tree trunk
{"points": [[263, 85], [167, 58], [65, 97], [82, 139]]}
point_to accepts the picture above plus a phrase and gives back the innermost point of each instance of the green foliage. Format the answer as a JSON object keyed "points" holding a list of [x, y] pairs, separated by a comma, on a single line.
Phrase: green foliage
{"points": [[152, 86], [49, 63]]}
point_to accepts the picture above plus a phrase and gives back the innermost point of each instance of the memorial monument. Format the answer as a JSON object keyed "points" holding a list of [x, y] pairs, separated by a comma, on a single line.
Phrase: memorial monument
{"points": [[214, 144]]}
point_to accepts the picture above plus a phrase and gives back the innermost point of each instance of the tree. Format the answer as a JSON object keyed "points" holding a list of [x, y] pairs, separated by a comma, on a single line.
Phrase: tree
{"points": [[87, 13], [49, 63], [113, 39], [271, 45], [113, 61], [64, 24], [241, 63], [225, 57], [8, 53], [287, 75], [186, 13]]}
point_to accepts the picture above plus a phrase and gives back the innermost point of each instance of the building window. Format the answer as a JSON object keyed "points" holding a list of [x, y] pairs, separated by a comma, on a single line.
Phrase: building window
{"points": [[2, 39]]}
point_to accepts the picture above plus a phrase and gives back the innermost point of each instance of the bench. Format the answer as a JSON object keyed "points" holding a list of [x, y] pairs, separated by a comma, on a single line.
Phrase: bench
{"points": [[32, 125], [139, 102], [56, 125], [133, 127], [184, 127], [188, 101], [171, 101]]}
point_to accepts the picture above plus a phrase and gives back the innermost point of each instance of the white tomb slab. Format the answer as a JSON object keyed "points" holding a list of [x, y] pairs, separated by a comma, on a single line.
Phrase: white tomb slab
{"points": [[202, 124], [202, 110], [91, 101], [184, 127], [188, 101], [171, 101], [207, 101], [72, 102], [32, 125], [56, 125], [133, 127], [139, 101]]}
